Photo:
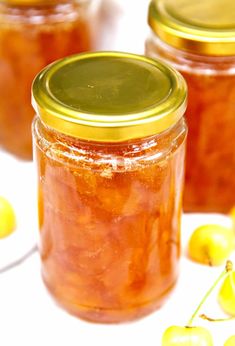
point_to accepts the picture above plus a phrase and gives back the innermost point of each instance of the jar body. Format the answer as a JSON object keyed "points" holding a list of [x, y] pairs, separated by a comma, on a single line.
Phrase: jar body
{"points": [[31, 38], [109, 219], [210, 157]]}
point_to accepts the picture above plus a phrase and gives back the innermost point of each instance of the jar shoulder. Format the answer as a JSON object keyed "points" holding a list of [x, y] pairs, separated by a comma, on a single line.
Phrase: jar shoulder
{"points": [[35, 15], [185, 61], [129, 154]]}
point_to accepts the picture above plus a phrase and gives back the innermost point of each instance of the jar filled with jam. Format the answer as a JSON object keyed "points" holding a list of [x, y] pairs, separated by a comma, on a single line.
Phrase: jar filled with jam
{"points": [[34, 33], [198, 39], [109, 142]]}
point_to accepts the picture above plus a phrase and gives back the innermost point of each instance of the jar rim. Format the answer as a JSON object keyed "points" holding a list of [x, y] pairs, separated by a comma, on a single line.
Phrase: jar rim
{"points": [[109, 96], [205, 27]]}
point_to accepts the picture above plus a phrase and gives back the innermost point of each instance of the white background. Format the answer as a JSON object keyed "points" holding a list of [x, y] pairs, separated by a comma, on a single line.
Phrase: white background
{"points": [[28, 316]]}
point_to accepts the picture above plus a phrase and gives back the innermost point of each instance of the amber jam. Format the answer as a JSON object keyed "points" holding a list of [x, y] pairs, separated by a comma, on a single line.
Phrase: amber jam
{"points": [[32, 35], [207, 62], [109, 208]]}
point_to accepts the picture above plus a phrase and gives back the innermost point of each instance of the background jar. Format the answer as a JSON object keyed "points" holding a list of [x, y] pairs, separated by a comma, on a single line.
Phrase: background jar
{"points": [[109, 144], [197, 38], [34, 33]]}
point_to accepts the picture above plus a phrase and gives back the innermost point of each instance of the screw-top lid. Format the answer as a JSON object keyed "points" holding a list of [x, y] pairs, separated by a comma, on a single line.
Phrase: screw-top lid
{"points": [[109, 96], [201, 26]]}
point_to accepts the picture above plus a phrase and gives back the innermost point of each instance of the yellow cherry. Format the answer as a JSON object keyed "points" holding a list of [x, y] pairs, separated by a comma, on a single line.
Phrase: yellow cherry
{"points": [[226, 295], [211, 244], [232, 215], [190, 335], [230, 341], [185, 336], [7, 218]]}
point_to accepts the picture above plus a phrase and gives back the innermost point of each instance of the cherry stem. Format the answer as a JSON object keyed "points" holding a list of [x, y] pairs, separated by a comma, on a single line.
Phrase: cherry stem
{"points": [[19, 261], [225, 272], [205, 317]]}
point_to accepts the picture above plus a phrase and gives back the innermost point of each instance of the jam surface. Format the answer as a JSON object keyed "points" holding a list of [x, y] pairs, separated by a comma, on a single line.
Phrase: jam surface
{"points": [[30, 39], [109, 220]]}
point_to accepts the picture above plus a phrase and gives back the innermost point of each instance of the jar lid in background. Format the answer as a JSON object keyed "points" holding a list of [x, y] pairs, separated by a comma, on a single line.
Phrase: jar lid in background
{"points": [[109, 96], [204, 27]]}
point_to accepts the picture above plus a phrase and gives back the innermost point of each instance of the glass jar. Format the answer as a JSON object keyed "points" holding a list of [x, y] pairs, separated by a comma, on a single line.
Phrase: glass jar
{"points": [[109, 144], [197, 38], [34, 33]]}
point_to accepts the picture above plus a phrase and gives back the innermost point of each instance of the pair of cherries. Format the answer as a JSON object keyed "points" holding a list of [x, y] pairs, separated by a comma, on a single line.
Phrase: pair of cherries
{"points": [[212, 245]]}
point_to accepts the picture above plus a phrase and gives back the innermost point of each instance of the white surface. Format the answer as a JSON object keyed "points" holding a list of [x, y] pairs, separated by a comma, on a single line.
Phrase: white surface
{"points": [[29, 317]]}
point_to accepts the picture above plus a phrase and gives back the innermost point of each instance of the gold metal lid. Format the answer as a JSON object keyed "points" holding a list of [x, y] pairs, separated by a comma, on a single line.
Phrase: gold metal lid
{"points": [[109, 96], [205, 27]]}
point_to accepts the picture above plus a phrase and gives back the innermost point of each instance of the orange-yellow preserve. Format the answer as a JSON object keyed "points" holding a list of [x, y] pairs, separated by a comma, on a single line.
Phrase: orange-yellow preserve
{"points": [[34, 33], [198, 39], [109, 142]]}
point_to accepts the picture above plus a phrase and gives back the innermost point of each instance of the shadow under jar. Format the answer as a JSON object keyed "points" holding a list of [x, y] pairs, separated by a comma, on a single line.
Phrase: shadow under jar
{"points": [[109, 144], [198, 39], [34, 33]]}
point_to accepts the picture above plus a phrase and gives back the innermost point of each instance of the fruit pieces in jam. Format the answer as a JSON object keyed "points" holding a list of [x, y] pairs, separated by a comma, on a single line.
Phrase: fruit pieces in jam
{"points": [[30, 39], [210, 156], [109, 219], [210, 183]]}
